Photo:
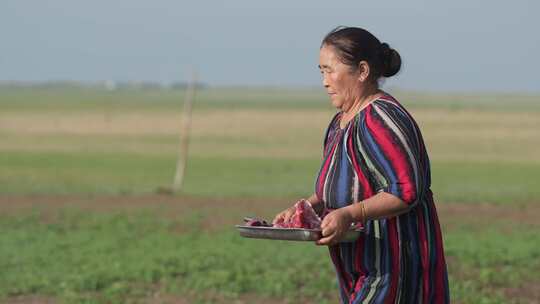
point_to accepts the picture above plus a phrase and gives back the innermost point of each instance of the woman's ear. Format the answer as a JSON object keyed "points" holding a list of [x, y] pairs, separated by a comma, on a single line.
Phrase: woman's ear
{"points": [[363, 71]]}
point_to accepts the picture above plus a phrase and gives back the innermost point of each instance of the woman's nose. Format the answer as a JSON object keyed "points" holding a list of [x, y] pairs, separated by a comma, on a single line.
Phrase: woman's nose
{"points": [[325, 82]]}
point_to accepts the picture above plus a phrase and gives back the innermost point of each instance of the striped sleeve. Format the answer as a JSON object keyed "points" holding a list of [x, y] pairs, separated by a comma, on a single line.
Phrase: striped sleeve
{"points": [[389, 139]]}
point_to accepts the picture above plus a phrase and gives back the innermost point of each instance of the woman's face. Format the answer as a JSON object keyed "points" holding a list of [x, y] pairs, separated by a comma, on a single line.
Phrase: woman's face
{"points": [[341, 83]]}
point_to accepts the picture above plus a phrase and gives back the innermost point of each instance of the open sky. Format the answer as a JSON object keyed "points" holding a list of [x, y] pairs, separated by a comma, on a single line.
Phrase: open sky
{"points": [[459, 45]]}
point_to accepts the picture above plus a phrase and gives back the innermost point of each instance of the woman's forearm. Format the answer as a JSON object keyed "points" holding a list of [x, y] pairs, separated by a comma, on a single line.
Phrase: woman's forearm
{"points": [[316, 203], [381, 205], [314, 200]]}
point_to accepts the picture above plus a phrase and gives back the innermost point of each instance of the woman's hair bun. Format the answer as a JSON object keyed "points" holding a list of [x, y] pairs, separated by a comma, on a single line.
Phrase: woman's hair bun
{"points": [[391, 61], [354, 45]]}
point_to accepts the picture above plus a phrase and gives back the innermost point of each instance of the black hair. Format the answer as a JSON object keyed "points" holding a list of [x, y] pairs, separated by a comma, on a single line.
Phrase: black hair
{"points": [[354, 45]]}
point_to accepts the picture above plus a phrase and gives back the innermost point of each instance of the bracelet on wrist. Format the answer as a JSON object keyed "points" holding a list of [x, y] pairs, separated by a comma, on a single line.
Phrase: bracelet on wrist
{"points": [[363, 213]]}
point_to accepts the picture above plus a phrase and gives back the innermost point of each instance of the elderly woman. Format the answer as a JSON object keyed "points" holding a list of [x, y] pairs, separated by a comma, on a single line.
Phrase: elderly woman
{"points": [[375, 171]]}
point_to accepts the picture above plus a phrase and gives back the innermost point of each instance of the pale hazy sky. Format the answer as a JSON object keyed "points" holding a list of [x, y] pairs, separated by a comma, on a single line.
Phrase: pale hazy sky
{"points": [[459, 45]]}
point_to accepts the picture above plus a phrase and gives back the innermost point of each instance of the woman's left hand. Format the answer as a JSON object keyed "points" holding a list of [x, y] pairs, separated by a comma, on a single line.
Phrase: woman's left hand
{"points": [[334, 225]]}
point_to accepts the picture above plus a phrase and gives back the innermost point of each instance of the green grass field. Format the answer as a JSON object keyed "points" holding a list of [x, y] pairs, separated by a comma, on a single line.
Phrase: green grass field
{"points": [[83, 220]]}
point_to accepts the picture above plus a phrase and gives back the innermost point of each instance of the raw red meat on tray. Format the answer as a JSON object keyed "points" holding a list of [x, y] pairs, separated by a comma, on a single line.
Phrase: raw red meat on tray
{"points": [[304, 217], [303, 225], [256, 222]]}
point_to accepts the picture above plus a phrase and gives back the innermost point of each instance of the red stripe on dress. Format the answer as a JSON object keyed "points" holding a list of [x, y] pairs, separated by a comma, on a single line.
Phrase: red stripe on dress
{"points": [[440, 290], [344, 278], [393, 155], [418, 136], [394, 255], [360, 243], [424, 254]]}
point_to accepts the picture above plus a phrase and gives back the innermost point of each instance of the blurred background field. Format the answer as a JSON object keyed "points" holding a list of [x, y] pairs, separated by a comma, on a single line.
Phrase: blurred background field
{"points": [[84, 219]]}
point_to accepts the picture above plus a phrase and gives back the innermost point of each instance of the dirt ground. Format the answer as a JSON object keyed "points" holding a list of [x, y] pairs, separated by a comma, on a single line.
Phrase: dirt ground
{"points": [[450, 214]]}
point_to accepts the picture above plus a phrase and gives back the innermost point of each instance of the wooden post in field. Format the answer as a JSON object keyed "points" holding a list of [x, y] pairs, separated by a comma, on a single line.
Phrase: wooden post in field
{"points": [[184, 135]]}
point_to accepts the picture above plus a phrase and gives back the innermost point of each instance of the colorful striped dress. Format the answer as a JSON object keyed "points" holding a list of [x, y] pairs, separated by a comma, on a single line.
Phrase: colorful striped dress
{"points": [[398, 259]]}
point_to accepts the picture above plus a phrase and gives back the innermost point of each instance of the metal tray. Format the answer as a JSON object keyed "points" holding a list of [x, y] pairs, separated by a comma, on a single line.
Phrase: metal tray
{"points": [[291, 234]]}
